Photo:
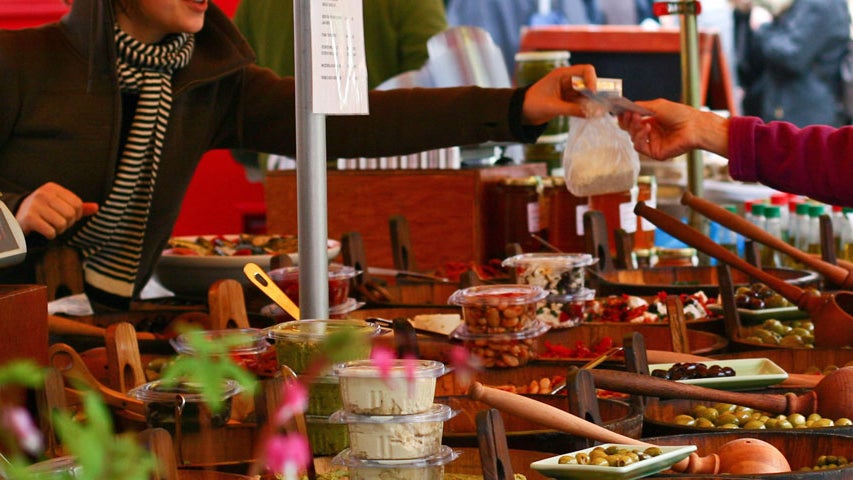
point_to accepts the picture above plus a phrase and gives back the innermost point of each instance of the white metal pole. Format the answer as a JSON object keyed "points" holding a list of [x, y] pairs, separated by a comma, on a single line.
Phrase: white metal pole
{"points": [[310, 176]]}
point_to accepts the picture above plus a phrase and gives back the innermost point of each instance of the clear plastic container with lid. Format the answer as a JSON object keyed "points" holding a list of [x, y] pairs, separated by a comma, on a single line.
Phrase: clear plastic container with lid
{"points": [[287, 279], [498, 308], [325, 437], [428, 468], [395, 437], [558, 273], [161, 400], [299, 342], [248, 347], [502, 350], [406, 387]]}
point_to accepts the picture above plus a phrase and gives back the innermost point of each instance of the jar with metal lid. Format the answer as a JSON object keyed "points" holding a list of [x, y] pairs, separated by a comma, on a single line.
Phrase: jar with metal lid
{"points": [[676, 257], [530, 67]]}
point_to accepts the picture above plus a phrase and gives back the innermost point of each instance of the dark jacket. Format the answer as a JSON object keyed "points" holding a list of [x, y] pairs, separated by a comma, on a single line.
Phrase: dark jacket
{"points": [[799, 55], [60, 117]]}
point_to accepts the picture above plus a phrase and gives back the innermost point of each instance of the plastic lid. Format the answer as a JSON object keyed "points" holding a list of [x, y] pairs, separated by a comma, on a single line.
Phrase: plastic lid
{"points": [[730, 207], [803, 208], [535, 329], [540, 55], [337, 271], [779, 199], [583, 295], [757, 209], [316, 330], [846, 209], [686, 252], [793, 203], [444, 456], [243, 340], [511, 294], [156, 391], [439, 412], [399, 368], [66, 465], [816, 210], [772, 211], [561, 260]]}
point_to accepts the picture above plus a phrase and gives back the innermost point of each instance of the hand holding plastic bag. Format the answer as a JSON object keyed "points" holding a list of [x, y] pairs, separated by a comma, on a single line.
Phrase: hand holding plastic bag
{"points": [[599, 157]]}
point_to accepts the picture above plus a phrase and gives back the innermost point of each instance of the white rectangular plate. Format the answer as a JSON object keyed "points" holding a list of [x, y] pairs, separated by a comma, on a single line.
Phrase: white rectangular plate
{"points": [[669, 455], [750, 374]]}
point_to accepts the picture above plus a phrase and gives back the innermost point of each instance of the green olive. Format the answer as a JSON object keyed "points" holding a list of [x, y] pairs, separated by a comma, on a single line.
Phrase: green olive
{"points": [[566, 459], [612, 450], [843, 422], [797, 419], [754, 425], [813, 417], [709, 414], [704, 423], [730, 426], [652, 451], [784, 424], [727, 418], [823, 422], [582, 458], [724, 407], [685, 420], [599, 461]]}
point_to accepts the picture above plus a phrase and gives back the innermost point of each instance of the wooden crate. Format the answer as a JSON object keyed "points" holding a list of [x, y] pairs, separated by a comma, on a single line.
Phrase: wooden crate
{"points": [[451, 213], [23, 329]]}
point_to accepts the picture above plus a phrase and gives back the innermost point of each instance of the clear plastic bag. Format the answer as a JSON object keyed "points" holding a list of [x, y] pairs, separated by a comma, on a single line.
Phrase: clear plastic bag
{"points": [[599, 157]]}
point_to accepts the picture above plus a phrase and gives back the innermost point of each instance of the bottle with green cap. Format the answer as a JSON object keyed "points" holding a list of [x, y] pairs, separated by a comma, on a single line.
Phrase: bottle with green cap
{"points": [[770, 257], [757, 214], [813, 229], [801, 220], [846, 234]]}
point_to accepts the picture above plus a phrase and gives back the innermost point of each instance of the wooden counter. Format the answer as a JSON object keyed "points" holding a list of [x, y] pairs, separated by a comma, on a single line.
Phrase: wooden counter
{"points": [[451, 213]]}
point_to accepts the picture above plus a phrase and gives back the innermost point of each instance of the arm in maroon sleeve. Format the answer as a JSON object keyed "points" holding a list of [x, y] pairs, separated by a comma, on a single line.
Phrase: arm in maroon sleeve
{"points": [[815, 161]]}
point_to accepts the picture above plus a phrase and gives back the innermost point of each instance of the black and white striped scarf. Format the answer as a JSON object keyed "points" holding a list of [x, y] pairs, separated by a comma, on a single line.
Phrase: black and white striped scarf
{"points": [[111, 240]]}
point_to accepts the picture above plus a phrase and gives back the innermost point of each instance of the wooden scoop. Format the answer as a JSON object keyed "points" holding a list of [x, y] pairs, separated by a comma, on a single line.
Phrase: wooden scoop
{"points": [[836, 274], [831, 313], [65, 359], [552, 417]]}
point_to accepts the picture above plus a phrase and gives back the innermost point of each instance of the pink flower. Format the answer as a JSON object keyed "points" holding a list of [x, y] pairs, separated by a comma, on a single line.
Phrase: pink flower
{"points": [[464, 365], [18, 421], [383, 358], [287, 454], [294, 400]]}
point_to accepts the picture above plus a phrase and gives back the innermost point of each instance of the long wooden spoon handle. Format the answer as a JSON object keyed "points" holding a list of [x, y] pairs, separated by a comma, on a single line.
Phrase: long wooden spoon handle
{"points": [[546, 415], [637, 384], [695, 238], [838, 275]]}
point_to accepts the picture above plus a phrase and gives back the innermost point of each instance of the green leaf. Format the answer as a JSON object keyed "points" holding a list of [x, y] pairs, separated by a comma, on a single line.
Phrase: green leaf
{"points": [[26, 373]]}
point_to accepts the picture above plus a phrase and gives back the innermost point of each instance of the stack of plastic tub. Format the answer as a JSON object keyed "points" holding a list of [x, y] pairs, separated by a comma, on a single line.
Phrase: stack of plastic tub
{"points": [[395, 427]]}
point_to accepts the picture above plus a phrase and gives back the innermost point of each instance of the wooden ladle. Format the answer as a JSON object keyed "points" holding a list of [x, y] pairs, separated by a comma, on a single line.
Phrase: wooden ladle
{"points": [[552, 417], [832, 314], [837, 275]]}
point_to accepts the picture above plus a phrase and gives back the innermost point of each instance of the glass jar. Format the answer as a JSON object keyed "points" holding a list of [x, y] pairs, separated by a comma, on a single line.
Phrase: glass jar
{"points": [[647, 191], [676, 257], [530, 67], [618, 211]]}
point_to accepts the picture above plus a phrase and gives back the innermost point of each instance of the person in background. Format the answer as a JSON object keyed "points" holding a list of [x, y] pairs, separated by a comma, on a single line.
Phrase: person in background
{"points": [[813, 161], [790, 60], [107, 113], [395, 41], [395, 34], [504, 19]]}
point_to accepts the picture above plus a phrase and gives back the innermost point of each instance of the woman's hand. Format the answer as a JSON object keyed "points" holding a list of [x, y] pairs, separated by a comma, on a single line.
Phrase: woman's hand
{"points": [[51, 209], [553, 95], [675, 129]]}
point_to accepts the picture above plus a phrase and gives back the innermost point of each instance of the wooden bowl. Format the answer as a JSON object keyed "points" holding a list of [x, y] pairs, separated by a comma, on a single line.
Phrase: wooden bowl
{"points": [[658, 415], [800, 448], [656, 336], [650, 281]]}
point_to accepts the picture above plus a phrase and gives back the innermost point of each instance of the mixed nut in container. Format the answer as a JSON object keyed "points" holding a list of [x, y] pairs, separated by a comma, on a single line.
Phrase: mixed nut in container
{"points": [[498, 308], [562, 276], [502, 350]]}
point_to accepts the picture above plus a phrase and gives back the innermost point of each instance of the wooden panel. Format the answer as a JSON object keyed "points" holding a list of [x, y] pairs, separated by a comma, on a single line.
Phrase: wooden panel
{"points": [[451, 213], [23, 328]]}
